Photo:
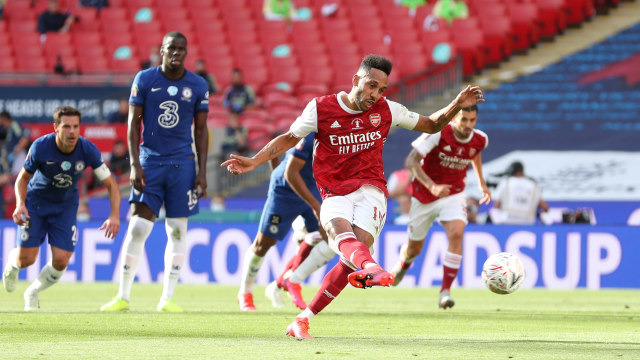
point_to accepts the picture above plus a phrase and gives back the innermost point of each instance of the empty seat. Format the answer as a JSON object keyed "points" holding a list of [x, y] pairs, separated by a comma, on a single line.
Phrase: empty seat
{"points": [[91, 64], [31, 63], [498, 39], [525, 25], [551, 16], [7, 64]]}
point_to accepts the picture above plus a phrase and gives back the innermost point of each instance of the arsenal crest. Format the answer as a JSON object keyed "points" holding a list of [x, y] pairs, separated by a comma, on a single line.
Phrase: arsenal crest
{"points": [[375, 119]]}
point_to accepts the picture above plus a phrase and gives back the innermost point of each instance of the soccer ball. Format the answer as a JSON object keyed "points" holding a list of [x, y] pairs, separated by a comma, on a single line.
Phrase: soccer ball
{"points": [[503, 273]]}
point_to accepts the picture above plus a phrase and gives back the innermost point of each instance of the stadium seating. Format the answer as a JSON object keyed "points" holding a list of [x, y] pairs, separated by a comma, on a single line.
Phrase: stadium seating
{"points": [[587, 101], [227, 34]]}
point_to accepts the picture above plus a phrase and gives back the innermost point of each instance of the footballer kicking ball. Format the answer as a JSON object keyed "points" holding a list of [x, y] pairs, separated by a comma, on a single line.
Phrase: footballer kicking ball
{"points": [[503, 273]]}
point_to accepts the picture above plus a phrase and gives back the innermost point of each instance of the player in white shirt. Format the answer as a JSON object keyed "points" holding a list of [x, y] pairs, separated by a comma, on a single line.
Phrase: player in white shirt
{"points": [[517, 198]]}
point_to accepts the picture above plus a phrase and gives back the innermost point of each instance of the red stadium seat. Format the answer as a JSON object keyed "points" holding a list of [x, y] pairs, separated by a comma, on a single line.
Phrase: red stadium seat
{"points": [[525, 25], [32, 63], [134, 5], [281, 102], [577, 11], [200, 4], [289, 75], [210, 39], [23, 26], [69, 62], [205, 16], [115, 26], [125, 64], [317, 76], [92, 51], [18, 10], [470, 45], [114, 14], [89, 64], [172, 15], [498, 39], [7, 64], [257, 77], [25, 39], [552, 17], [170, 4], [255, 115]]}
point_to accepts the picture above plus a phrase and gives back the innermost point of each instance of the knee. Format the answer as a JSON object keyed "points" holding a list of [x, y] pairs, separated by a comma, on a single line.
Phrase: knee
{"points": [[59, 264], [262, 244], [24, 261]]}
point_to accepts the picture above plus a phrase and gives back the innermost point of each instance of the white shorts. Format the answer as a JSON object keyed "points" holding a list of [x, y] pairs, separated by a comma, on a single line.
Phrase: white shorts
{"points": [[365, 208], [422, 216]]}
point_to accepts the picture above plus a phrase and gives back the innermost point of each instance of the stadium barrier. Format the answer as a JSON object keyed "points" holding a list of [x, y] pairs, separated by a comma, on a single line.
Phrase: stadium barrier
{"points": [[555, 257]]}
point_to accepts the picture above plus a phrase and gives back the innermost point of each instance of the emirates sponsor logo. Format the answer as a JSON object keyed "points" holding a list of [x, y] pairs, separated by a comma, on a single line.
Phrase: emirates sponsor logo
{"points": [[354, 142], [375, 119], [355, 138]]}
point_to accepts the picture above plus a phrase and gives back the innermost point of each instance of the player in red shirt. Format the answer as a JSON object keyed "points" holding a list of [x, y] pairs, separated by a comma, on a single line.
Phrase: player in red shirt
{"points": [[439, 164], [350, 132]]}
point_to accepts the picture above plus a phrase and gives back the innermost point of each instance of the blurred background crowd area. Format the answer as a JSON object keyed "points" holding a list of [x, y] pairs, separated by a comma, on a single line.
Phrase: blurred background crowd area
{"points": [[549, 95]]}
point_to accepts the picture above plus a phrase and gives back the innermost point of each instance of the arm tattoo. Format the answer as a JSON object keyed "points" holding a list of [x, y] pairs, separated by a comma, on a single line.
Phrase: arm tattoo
{"points": [[274, 152]]}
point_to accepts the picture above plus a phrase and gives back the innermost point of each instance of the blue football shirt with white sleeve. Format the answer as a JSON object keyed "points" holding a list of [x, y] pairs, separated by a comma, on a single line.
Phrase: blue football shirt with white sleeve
{"points": [[55, 174]]}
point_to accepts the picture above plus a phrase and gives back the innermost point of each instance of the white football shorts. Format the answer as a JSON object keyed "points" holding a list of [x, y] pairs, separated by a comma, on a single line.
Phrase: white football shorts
{"points": [[422, 216], [365, 208]]}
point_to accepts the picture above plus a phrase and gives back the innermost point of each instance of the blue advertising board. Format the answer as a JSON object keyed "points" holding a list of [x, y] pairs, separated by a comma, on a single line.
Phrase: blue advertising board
{"points": [[555, 257], [37, 103]]}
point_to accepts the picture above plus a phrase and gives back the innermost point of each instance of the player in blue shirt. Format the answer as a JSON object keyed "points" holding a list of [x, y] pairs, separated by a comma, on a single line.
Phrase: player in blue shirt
{"points": [[165, 102], [292, 193], [47, 202]]}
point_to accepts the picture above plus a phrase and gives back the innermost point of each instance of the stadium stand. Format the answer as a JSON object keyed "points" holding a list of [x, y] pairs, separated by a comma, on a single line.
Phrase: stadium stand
{"points": [[295, 61], [500, 27]]}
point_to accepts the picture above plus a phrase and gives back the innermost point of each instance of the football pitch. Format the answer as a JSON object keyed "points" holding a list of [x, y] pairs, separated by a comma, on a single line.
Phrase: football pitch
{"points": [[378, 323]]}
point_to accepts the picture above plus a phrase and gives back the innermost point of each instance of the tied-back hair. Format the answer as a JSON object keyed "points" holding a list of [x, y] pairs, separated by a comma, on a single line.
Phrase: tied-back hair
{"points": [[65, 111], [374, 61]]}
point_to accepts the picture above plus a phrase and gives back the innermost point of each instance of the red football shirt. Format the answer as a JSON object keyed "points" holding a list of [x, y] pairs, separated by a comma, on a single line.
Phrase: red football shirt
{"points": [[446, 159], [348, 144]]}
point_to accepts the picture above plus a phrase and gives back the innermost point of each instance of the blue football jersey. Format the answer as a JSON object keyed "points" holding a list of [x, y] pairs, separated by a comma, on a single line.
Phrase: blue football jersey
{"points": [[169, 110], [56, 174], [304, 151]]}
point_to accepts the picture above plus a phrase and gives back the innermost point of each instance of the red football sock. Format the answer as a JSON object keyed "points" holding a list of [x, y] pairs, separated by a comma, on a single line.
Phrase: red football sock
{"points": [[303, 251], [280, 279], [332, 284], [353, 250], [448, 277]]}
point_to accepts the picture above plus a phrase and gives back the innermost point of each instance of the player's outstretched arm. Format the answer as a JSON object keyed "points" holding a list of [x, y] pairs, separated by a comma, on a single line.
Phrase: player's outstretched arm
{"points": [[477, 168], [21, 214], [111, 226], [276, 147], [435, 122]]}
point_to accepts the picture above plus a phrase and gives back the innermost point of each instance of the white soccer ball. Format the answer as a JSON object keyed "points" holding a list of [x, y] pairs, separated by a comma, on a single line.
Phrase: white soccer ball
{"points": [[503, 273]]}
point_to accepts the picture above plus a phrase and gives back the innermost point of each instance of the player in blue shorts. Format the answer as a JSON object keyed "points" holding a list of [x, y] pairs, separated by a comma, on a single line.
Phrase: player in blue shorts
{"points": [[47, 202], [292, 193], [165, 101]]}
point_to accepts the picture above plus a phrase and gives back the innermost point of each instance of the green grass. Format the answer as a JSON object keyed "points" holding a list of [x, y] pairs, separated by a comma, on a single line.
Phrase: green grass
{"points": [[379, 323]]}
